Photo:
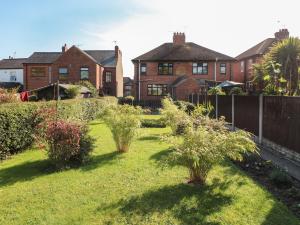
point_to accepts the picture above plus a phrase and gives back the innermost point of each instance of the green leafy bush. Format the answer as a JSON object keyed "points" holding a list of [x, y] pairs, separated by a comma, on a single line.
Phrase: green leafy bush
{"points": [[90, 86], [237, 91], [123, 121], [67, 143], [185, 106], [216, 91], [72, 92], [280, 178], [152, 123]]}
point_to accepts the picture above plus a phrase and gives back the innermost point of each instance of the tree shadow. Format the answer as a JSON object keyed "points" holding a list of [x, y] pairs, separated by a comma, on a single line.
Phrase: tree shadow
{"points": [[149, 138], [189, 204], [25, 172], [101, 160]]}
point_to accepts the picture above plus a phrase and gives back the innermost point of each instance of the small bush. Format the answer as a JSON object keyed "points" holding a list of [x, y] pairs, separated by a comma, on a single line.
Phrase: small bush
{"points": [[152, 123], [280, 178], [237, 91], [185, 106], [8, 96], [72, 92], [68, 143], [123, 121], [90, 86], [216, 91]]}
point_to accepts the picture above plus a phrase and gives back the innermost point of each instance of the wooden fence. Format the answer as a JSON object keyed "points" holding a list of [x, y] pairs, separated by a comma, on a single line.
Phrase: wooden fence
{"points": [[275, 118]]}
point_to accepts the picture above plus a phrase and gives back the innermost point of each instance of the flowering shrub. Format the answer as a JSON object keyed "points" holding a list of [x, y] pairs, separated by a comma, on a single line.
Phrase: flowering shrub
{"points": [[123, 121], [68, 142]]}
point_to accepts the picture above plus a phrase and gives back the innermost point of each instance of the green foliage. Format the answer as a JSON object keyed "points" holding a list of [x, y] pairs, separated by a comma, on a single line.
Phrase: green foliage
{"points": [[280, 178], [72, 92], [153, 123], [216, 91], [123, 121], [185, 106], [90, 86], [202, 110], [174, 117], [237, 91]]}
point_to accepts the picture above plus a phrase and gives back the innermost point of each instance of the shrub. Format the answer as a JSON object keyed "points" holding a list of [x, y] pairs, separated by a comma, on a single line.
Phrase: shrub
{"points": [[8, 96], [17, 124], [185, 106], [280, 178], [68, 143], [174, 117], [152, 123], [215, 91], [204, 146], [123, 121], [72, 92], [237, 91], [90, 86]]}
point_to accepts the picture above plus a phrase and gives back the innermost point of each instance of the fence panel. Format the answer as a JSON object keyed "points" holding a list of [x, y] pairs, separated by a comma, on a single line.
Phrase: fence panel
{"points": [[246, 115], [224, 107], [281, 121]]}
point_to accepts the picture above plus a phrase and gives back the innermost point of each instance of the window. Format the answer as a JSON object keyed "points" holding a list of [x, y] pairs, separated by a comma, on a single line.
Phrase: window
{"points": [[13, 76], [38, 71], [242, 66], [200, 68], [165, 68], [143, 68], [84, 73], [127, 90], [63, 73], [250, 62], [157, 89], [222, 68], [108, 77]]}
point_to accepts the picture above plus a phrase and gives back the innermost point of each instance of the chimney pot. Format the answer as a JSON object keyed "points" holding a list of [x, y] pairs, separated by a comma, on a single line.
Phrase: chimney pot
{"points": [[282, 34], [178, 38], [64, 48]]}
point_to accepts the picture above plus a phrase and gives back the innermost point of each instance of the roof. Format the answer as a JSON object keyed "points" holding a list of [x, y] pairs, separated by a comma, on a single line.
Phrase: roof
{"points": [[127, 81], [103, 57], [228, 83], [259, 49], [186, 52], [12, 63], [82, 89]]}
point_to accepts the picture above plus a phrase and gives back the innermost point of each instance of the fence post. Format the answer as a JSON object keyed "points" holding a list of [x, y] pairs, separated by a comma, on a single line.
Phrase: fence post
{"points": [[217, 107], [261, 111], [193, 98], [232, 112]]}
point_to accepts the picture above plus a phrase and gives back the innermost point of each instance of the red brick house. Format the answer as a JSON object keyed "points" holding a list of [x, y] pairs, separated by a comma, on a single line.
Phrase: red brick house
{"points": [[243, 67], [179, 69], [103, 68], [128, 86]]}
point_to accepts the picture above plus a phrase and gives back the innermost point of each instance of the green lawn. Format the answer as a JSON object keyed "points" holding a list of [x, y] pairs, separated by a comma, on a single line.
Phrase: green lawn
{"points": [[130, 188]]}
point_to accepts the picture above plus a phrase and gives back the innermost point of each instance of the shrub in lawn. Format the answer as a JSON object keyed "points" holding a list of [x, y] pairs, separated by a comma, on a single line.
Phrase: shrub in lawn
{"points": [[280, 178], [202, 147], [17, 124], [72, 92], [152, 123], [67, 143], [123, 121], [174, 117]]}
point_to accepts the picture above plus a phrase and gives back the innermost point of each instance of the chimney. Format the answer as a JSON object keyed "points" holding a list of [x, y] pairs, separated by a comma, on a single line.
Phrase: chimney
{"points": [[116, 51], [282, 34], [178, 38], [64, 48]]}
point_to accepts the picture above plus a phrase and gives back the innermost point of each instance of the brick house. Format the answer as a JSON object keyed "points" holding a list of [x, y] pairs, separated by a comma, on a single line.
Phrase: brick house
{"points": [[128, 86], [243, 67], [103, 68], [179, 69]]}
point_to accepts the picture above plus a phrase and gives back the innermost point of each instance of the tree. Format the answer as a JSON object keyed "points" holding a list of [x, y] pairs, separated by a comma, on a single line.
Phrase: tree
{"points": [[287, 53]]}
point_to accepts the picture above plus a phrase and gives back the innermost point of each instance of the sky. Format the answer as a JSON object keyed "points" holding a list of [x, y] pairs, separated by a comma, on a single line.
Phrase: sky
{"points": [[137, 26]]}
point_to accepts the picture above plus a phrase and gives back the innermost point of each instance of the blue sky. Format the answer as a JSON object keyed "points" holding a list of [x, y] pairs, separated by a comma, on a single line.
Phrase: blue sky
{"points": [[229, 27]]}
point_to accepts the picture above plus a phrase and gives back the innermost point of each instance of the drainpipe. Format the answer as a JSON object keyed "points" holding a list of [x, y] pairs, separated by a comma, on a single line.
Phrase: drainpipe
{"points": [[139, 80], [216, 72]]}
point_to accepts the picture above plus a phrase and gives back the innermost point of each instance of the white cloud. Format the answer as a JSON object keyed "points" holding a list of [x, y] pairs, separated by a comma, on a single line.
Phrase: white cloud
{"points": [[229, 27]]}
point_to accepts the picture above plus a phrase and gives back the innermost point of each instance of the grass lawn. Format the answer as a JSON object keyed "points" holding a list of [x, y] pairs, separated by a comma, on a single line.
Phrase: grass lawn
{"points": [[130, 188]]}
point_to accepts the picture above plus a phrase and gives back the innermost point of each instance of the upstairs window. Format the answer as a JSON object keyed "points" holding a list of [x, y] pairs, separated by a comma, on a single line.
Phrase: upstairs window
{"points": [[157, 89], [108, 76], [38, 71], [143, 68], [223, 68], [165, 68], [84, 73], [63, 73], [200, 68], [242, 66]]}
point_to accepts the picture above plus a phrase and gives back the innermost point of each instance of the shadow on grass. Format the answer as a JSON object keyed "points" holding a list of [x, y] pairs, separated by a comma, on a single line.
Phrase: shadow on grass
{"points": [[149, 138], [188, 203], [101, 160], [25, 172], [280, 215]]}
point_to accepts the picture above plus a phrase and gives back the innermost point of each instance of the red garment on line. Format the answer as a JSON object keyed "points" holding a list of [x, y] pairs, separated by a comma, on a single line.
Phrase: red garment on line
{"points": [[24, 96]]}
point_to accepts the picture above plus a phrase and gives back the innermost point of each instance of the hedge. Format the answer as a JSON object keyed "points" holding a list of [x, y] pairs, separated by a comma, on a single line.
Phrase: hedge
{"points": [[18, 121]]}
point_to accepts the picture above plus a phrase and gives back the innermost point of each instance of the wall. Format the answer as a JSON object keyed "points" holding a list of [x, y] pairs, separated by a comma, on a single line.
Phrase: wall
{"points": [[6, 73], [119, 75], [32, 82]]}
